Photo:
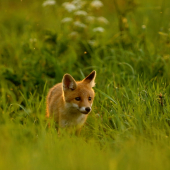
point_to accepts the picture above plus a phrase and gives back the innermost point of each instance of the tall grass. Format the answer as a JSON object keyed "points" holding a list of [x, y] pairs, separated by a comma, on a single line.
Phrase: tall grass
{"points": [[129, 126]]}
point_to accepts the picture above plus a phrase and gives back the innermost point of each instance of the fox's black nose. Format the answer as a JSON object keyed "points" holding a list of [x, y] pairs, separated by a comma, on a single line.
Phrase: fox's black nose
{"points": [[87, 109]]}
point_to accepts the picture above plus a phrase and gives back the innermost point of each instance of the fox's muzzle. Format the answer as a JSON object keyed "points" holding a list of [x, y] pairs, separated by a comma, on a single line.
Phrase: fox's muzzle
{"points": [[88, 109], [85, 110]]}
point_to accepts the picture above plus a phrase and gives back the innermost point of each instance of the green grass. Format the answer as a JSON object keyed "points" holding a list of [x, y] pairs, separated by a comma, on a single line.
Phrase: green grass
{"points": [[129, 127]]}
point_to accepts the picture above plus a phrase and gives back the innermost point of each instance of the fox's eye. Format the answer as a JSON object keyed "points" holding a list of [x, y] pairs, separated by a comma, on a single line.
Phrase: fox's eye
{"points": [[89, 98], [78, 98]]}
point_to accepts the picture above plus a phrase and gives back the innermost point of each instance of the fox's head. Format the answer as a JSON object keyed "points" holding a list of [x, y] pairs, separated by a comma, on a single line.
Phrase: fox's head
{"points": [[79, 95]]}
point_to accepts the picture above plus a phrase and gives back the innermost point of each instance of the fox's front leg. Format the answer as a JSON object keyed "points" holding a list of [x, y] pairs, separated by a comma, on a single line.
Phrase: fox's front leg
{"points": [[77, 133]]}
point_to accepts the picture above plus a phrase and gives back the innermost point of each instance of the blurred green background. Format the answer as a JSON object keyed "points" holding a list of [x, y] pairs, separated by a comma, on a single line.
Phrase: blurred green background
{"points": [[127, 42]]}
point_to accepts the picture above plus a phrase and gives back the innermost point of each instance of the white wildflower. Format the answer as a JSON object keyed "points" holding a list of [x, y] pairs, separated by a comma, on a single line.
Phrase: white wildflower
{"points": [[32, 40], [78, 3], [90, 19], [67, 19], [74, 34], [98, 29], [79, 24], [81, 13], [92, 42], [143, 26], [69, 6], [48, 2], [96, 4], [102, 20]]}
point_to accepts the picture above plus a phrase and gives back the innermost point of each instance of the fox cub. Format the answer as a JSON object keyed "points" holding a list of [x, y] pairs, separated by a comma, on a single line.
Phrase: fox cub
{"points": [[70, 101]]}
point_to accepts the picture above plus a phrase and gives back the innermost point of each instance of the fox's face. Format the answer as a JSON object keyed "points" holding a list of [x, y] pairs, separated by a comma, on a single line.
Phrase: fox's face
{"points": [[79, 96]]}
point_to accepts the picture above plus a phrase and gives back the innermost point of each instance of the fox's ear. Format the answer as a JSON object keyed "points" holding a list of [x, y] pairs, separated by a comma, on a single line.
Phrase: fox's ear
{"points": [[91, 78], [68, 82]]}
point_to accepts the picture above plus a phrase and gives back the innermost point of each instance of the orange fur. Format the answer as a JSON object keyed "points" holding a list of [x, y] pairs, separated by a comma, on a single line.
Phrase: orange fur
{"points": [[70, 102]]}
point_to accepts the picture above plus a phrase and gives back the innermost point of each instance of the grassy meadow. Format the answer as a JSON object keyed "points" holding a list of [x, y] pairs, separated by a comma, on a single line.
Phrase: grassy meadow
{"points": [[127, 42]]}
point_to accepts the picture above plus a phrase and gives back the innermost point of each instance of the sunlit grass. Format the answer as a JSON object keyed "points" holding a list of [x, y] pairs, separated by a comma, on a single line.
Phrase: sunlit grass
{"points": [[131, 133], [129, 126]]}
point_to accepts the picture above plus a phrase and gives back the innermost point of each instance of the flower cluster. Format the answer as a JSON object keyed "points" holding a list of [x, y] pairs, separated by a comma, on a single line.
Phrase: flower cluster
{"points": [[49, 2], [80, 19]]}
